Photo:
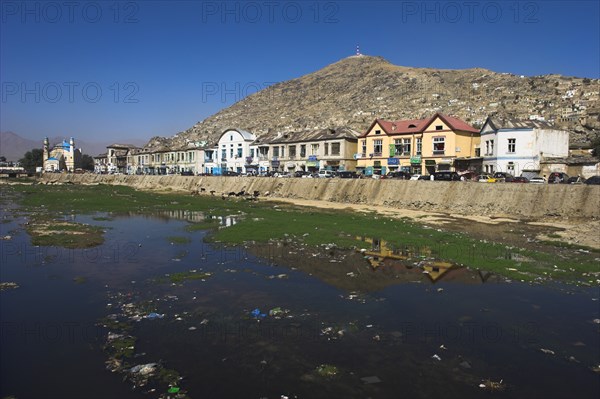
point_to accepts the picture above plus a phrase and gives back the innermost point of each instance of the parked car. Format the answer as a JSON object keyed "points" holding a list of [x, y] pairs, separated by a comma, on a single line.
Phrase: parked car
{"points": [[446, 176], [520, 179], [424, 177], [537, 180], [398, 175], [503, 177], [325, 173], [593, 180], [486, 179], [187, 173], [230, 173], [301, 173], [347, 174], [558, 177], [575, 180]]}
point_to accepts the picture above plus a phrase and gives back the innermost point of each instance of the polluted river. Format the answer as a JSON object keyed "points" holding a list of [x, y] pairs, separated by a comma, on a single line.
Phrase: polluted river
{"points": [[158, 311]]}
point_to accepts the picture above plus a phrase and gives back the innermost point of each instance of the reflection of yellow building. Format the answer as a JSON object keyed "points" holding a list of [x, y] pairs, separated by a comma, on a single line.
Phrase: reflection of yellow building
{"points": [[435, 270], [381, 250], [417, 146]]}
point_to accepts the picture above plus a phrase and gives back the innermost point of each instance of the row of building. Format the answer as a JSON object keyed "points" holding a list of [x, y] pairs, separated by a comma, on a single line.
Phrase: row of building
{"points": [[422, 146]]}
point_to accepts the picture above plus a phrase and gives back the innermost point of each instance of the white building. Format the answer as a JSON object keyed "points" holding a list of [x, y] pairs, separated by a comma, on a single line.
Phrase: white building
{"points": [[233, 148], [517, 147]]}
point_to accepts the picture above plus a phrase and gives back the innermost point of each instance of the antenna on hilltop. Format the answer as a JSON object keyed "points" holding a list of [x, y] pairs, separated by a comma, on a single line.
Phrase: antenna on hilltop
{"points": [[358, 51]]}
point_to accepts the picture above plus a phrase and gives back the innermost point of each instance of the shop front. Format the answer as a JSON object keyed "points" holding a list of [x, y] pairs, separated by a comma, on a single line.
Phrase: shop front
{"points": [[415, 165]]}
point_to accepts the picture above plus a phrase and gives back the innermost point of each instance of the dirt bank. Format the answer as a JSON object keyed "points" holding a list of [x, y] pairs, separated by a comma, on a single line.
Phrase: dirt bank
{"points": [[567, 213]]}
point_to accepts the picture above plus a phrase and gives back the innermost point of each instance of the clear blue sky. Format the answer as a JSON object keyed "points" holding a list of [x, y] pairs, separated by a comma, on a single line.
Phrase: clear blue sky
{"points": [[109, 70]]}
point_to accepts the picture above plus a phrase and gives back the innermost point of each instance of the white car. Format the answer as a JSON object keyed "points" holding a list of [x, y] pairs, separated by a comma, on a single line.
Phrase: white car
{"points": [[537, 180], [325, 173], [415, 177]]}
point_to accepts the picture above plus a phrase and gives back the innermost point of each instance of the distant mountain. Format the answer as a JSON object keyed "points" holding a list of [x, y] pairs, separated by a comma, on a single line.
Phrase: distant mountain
{"points": [[358, 89], [13, 146]]}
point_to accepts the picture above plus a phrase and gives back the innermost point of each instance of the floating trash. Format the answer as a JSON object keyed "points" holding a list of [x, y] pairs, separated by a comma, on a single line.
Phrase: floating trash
{"points": [[154, 315]]}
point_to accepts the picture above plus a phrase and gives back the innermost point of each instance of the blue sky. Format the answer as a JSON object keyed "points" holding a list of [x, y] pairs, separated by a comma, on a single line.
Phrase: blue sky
{"points": [[110, 70]]}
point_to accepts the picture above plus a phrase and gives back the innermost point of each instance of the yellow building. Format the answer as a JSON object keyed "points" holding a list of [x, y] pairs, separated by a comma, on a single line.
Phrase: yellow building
{"points": [[418, 146]]}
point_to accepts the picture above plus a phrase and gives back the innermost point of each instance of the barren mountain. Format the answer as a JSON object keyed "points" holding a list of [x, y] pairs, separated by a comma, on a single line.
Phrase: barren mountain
{"points": [[354, 91]]}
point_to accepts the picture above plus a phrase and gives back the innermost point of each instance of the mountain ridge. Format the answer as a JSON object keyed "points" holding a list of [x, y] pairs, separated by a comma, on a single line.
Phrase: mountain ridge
{"points": [[355, 90]]}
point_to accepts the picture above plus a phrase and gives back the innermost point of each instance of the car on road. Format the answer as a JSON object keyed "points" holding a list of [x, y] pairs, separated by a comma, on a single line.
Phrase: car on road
{"points": [[187, 173], [537, 180], [593, 180], [347, 174], [558, 177], [325, 173], [503, 177], [398, 175], [230, 173], [301, 173], [520, 179], [486, 179], [446, 176]]}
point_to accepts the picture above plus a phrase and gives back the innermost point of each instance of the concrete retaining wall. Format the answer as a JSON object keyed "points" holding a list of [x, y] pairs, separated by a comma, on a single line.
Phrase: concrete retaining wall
{"points": [[492, 199]]}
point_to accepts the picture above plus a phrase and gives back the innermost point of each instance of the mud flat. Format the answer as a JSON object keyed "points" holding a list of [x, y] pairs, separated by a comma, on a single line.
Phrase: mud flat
{"points": [[571, 212]]}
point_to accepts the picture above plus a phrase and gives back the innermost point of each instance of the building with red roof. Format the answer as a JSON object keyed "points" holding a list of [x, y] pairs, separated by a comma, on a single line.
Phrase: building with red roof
{"points": [[419, 146]]}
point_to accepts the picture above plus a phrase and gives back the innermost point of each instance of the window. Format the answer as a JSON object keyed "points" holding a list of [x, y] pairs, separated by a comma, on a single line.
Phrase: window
{"points": [[491, 147], [335, 148], [224, 153], [239, 152], [364, 146], [406, 147], [377, 147], [292, 151], [231, 153], [231, 138], [275, 151], [419, 146], [377, 131], [512, 145], [283, 151], [487, 148], [439, 145], [510, 168], [398, 147], [439, 127], [326, 148], [252, 152], [314, 149], [302, 150]]}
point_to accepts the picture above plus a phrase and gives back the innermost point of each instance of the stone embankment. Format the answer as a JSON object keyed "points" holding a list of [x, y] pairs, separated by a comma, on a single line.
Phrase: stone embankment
{"points": [[512, 200]]}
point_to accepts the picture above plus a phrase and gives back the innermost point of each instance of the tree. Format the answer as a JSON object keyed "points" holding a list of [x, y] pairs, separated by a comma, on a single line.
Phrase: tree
{"points": [[87, 162], [32, 159]]}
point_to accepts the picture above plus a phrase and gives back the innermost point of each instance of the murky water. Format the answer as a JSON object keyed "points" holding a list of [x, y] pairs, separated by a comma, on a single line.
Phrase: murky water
{"points": [[428, 335]]}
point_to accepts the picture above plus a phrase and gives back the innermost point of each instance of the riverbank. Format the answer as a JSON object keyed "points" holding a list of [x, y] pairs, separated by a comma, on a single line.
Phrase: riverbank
{"points": [[564, 214]]}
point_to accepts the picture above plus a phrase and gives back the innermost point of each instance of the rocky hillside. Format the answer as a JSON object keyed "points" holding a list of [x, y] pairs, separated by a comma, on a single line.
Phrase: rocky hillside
{"points": [[357, 89]]}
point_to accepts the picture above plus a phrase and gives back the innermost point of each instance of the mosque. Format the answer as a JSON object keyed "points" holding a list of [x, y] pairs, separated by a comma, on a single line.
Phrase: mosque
{"points": [[62, 157]]}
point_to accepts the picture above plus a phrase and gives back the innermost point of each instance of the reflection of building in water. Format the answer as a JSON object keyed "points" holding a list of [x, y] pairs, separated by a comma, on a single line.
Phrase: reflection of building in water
{"points": [[435, 270], [381, 250], [190, 216], [225, 221]]}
